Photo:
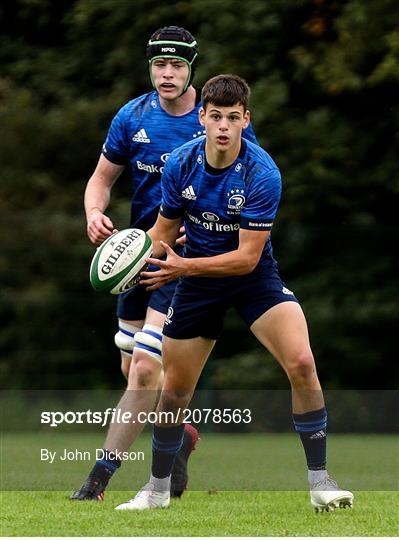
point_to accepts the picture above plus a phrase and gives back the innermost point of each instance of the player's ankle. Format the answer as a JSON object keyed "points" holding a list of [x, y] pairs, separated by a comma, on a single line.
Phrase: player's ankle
{"points": [[104, 469], [316, 476], [160, 484]]}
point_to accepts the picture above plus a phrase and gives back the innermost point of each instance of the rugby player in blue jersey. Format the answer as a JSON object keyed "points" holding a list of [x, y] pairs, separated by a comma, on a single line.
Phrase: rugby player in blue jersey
{"points": [[141, 137], [227, 191]]}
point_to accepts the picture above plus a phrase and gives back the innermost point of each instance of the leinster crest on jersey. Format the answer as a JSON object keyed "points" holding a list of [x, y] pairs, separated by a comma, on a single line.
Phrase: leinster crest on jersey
{"points": [[236, 200]]}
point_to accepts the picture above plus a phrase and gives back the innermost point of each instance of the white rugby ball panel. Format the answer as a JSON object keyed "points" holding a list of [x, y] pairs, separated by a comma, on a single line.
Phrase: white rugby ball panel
{"points": [[119, 252], [119, 260]]}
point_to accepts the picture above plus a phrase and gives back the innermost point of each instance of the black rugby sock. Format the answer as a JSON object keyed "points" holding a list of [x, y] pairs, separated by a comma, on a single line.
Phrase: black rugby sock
{"points": [[166, 442], [312, 429]]}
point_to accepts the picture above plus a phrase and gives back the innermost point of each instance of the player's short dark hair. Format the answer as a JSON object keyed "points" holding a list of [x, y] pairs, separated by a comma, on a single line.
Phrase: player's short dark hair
{"points": [[226, 91]]}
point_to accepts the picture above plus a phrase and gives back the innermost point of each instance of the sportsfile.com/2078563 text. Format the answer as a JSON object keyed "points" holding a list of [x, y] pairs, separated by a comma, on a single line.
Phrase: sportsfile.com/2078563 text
{"points": [[185, 416]]}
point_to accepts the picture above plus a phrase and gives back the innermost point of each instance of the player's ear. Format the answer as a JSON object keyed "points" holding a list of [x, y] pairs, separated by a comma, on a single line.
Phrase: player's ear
{"points": [[247, 119], [201, 116]]}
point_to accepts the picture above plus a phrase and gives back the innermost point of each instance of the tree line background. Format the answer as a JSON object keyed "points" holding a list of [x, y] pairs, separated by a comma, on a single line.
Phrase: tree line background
{"points": [[324, 78]]}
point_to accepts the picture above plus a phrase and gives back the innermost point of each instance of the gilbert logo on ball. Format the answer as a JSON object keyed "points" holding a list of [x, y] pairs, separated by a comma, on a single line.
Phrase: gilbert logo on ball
{"points": [[117, 263]]}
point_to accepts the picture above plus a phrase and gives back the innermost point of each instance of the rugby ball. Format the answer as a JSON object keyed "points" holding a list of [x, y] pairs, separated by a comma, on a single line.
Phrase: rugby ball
{"points": [[117, 263]]}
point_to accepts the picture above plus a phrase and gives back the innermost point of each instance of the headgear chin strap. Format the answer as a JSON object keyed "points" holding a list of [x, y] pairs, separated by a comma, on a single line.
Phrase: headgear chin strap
{"points": [[173, 42]]}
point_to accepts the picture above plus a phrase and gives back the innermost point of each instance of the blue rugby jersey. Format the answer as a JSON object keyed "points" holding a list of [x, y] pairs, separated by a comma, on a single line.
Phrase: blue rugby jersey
{"points": [[216, 205], [143, 135]]}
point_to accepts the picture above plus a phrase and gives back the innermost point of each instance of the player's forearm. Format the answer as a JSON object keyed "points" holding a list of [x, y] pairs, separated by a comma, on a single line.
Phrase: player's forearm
{"points": [[165, 230], [233, 263], [157, 249], [97, 196], [98, 189]]}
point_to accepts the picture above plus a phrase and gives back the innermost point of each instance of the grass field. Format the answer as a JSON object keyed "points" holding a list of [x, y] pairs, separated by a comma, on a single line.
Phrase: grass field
{"points": [[198, 514], [220, 466]]}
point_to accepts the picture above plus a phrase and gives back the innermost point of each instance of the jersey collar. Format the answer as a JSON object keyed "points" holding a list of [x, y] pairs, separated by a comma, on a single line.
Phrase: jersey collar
{"points": [[212, 170]]}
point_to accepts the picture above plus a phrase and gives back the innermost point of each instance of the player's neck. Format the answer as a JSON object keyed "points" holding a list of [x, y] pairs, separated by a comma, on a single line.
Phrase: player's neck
{"points": [[220, 160], [182, 105]]}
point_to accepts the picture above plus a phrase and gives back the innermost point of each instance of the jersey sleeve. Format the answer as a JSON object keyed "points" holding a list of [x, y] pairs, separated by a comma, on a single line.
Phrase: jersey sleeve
{"points": [[260, 208], [172, 205], [116, 147], [249, 134]]}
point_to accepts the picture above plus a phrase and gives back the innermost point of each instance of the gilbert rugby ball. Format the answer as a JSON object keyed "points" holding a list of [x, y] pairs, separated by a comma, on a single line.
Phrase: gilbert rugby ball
{"points": [[117, 263]]}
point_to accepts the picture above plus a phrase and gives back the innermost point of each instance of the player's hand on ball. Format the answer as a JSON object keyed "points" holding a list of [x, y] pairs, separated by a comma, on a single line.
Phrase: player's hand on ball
{"points": [[169, 270], [99, 227]]}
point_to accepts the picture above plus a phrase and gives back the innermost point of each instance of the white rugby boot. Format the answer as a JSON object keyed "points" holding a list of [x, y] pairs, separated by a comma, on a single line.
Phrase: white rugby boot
{"points": [[326, 495], [147, 499]]}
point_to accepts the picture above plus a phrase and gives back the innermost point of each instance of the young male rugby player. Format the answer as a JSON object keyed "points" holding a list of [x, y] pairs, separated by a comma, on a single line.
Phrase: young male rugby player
{"points": [[235, 187], [141, 136]]}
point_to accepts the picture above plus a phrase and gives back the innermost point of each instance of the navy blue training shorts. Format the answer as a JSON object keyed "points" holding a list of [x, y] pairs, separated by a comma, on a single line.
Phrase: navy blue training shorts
{"points": [[199, 305]]}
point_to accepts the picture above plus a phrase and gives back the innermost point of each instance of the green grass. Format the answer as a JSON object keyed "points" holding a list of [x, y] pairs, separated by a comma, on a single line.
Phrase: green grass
{"points": [[198, 514], [35, 501]]}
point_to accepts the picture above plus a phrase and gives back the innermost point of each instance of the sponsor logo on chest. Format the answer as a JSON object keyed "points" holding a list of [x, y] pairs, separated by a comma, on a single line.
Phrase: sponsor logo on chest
{"points": [[152, 167], [149, 168], [212, 224]]}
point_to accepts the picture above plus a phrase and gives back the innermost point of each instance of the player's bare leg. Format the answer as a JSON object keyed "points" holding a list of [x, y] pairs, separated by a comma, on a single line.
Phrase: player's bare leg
{"points": [[184, 360], [180, 379], [144, 382], [283, 331], [94, 485]]}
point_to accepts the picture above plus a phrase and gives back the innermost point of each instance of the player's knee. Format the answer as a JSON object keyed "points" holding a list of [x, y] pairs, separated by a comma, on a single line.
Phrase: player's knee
{"points": [[147, 357], [173, 400], [145, 371], [302, 367], [149, 341], [125, 338]]}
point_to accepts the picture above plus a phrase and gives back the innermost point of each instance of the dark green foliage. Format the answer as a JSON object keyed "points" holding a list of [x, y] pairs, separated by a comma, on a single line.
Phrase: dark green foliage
{"points": [[324, 78]]}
